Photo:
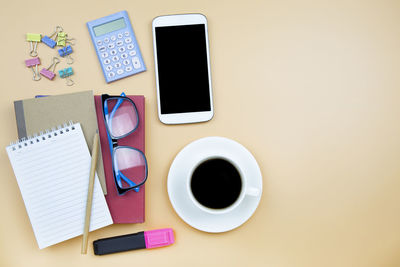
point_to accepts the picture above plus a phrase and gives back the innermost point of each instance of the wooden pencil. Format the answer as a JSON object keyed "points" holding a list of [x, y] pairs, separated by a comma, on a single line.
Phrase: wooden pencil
{"points": [[95, 151]]}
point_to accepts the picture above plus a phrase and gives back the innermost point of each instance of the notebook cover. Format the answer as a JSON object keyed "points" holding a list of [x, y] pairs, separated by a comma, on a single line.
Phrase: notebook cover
{"points": [[35, 114], [128, 208]]}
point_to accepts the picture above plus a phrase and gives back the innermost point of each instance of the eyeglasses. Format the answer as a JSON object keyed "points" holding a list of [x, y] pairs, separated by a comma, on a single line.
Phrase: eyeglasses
{"points": [[129, 164]]}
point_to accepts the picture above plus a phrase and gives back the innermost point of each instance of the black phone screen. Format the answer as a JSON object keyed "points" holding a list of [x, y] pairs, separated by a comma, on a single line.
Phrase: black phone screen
{"points": [[182, 69]]}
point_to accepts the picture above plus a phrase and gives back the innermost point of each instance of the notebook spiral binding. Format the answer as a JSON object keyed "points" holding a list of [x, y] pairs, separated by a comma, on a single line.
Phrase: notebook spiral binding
{"points": [[42, 136]]}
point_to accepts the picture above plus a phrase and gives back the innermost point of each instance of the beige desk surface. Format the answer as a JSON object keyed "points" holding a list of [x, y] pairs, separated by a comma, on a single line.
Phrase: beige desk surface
{"points": [[311, 88]]}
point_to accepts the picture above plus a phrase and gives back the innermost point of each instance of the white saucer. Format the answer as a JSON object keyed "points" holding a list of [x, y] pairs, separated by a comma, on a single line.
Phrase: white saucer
{"points": [[187, 158]]}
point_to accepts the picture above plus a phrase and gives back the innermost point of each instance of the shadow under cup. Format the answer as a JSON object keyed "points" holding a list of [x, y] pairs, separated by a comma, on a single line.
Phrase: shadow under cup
{"points": [[216, 184]]}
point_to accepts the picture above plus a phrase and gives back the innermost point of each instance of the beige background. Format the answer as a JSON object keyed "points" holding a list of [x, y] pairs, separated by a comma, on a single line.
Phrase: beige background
{"points": [[311, 88]]}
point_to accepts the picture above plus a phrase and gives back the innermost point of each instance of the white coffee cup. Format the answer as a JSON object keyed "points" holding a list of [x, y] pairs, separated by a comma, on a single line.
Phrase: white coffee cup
{"points": [[246, 189]]}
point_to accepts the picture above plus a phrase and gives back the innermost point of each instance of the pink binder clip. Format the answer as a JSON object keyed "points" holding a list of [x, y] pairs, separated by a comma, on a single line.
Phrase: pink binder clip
{"points": [[46, 72], [34, 62]]}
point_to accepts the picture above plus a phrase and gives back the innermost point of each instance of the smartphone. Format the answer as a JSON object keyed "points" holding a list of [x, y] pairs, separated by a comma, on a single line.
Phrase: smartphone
{"points": [[182, 68]]}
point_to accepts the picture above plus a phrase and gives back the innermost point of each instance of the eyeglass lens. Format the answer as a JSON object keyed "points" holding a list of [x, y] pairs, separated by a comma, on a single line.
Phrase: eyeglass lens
{"points": [[122, 118], [129, 163]]}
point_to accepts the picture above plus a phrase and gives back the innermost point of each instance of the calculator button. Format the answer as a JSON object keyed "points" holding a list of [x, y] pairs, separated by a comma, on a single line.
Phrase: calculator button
{"points": [[104, 55], [126, 33], [120, 71], [99, 42], [128, 40], [130, 46], [115, 58], [113, 52], [124, 55], [113, 38], [109, 67], [118, 65], [102, 48], [106, 40], [129, 68], [121, 49], [111, 74], [132, 53], [119, 43], [136, 63], [111, 45], [107, 61], [126, 62], [119, 35]]}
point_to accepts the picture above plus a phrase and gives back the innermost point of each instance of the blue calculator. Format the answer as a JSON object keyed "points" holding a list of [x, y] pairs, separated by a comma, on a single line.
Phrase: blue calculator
{"points": [[116, 46]]}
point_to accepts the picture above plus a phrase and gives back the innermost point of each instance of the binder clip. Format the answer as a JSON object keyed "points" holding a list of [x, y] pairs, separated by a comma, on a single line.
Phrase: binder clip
{"points": [[66, 73], [47, 40], [65, 52], [46, 72], [62, 39], [33, 38], [34, 62]]}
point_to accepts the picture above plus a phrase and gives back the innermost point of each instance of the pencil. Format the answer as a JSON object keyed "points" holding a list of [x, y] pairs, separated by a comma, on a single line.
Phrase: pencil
{"points": [[95, 151]]}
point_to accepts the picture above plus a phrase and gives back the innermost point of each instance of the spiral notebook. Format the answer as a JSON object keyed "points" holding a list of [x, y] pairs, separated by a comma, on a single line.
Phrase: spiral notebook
{"points": [[52, 172], [35, 114]]}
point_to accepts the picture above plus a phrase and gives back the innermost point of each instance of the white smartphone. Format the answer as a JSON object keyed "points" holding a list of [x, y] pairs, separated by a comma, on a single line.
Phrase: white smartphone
{"points": [[182, 67]]}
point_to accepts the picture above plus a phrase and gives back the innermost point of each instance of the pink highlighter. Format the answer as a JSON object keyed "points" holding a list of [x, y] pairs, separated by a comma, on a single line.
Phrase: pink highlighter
{"points": [[140, 240]]}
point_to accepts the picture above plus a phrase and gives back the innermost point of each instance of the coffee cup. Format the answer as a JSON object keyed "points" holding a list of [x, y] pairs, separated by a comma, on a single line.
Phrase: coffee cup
{"points": [[217, 185]]}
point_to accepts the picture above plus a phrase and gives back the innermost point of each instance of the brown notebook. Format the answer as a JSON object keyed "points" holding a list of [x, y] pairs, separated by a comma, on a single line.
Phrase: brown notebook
{"points": [[35, 114]]}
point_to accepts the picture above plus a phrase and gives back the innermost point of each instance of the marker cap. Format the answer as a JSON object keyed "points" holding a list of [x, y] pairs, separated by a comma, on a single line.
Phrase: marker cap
{"points": [[159, 238]]}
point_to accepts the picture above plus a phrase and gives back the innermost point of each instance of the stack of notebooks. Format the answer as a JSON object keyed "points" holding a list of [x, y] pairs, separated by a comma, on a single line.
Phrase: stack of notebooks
{"points": [[51, 162]]}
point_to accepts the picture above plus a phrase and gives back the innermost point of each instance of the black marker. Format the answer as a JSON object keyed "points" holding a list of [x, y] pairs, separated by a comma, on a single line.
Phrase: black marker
{"points": [[140, 240]]}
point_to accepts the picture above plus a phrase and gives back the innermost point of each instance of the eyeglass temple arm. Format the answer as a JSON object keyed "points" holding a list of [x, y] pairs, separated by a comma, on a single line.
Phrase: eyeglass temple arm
{"points": [[119, 102], [110, 115], [126, 179]]}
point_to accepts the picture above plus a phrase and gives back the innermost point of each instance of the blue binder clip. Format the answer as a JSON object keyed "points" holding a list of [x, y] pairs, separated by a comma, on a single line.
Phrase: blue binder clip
{"points": [[47, 39], [66, 52], [66, 73]]}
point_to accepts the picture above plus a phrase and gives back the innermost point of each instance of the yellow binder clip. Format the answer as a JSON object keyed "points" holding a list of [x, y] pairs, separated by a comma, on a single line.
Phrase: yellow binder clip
{"points": [[33, 38], [61, 38]]}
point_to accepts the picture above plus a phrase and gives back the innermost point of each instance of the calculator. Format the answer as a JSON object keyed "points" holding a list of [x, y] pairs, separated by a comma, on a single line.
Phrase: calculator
{"points": [[116, 46]]}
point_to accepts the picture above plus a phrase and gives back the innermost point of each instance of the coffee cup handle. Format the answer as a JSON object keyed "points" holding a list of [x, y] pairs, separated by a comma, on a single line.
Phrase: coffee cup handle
{"points": [[252, 191]]}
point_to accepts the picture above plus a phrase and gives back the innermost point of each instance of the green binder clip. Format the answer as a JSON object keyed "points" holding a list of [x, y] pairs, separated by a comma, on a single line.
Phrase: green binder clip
{"points": [[61, 38], [33, 38]]}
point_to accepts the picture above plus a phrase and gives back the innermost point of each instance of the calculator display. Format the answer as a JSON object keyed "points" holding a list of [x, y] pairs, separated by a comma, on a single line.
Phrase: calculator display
{"points": [[109, 27]]}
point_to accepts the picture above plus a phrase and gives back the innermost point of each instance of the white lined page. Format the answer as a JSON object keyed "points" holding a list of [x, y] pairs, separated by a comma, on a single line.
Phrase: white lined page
{"points": [[53, 176]]}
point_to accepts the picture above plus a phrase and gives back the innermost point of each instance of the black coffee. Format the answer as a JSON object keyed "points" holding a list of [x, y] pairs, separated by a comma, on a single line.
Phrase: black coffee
{"points": [[216, 183]]}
